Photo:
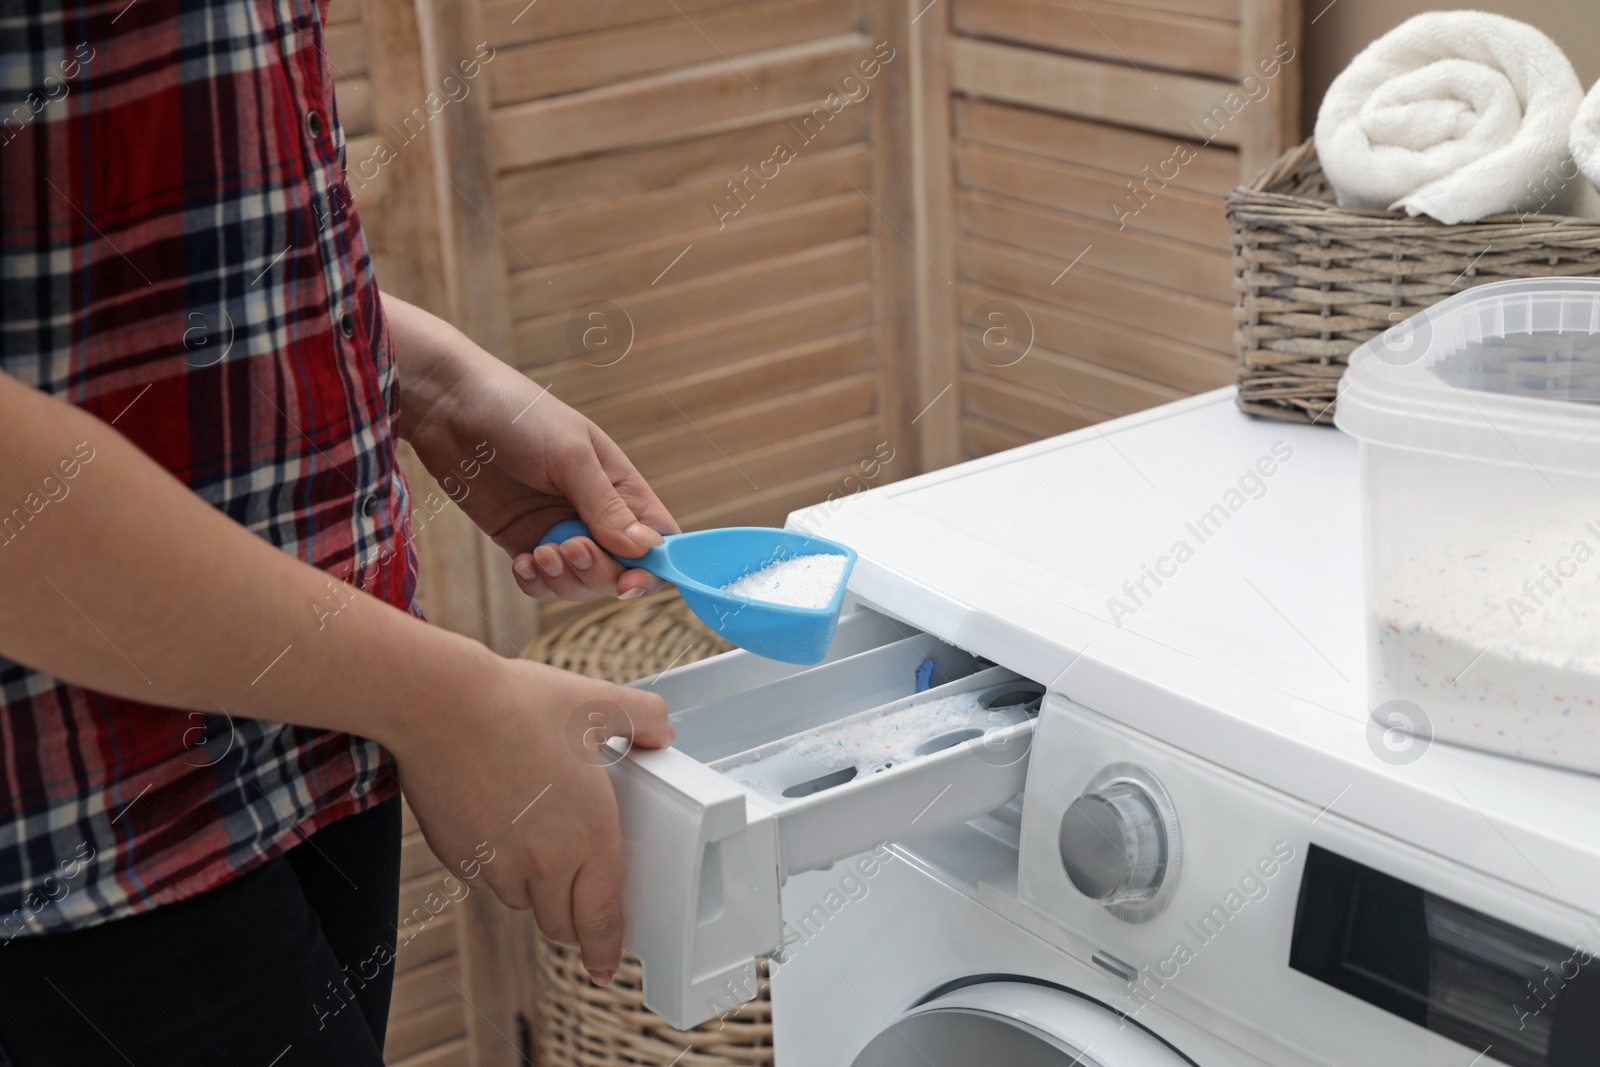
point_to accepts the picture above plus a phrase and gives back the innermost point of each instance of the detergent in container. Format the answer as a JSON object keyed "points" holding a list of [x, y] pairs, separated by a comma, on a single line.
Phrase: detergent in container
{"points": [[1479, 423]]}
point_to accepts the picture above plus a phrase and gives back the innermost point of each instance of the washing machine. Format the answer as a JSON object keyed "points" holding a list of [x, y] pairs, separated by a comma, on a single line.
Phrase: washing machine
{"points": [[1088, 778]]}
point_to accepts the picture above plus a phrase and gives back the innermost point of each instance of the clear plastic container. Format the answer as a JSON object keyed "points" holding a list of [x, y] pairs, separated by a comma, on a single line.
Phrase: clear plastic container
{"points": [[1479, 423]]}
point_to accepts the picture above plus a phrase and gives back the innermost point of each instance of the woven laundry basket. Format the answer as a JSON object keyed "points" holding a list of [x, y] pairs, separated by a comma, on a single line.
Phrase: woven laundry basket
{"points": [[584, 1025], [1315, 280]]}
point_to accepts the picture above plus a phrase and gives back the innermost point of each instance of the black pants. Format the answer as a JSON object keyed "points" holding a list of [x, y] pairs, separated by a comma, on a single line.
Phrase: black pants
{"points": [[265, 971]]}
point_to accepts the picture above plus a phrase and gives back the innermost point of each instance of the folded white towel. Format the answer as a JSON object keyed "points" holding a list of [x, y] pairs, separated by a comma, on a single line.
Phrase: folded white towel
{"points": [[1457, 115], [1585, 140]]}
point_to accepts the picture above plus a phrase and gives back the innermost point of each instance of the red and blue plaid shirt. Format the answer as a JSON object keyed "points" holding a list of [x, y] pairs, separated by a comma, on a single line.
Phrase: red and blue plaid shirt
{"points": [[179, 257]]}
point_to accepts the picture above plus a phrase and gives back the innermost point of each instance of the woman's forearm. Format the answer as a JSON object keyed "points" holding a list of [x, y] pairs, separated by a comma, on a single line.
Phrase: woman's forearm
{"points": [[433, 359], [125, 582]]}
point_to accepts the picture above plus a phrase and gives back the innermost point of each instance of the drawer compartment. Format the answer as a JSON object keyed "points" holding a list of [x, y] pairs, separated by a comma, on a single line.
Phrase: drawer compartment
{"points": [[883, 774], [779, 770]]}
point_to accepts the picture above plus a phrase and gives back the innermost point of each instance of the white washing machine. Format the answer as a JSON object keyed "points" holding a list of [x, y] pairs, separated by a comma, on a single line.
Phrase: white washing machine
{"points": [[1139, 814]]}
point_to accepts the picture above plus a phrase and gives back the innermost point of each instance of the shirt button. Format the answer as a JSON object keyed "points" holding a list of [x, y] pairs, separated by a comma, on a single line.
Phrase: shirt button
{"points": [[347, 324], [314, 124], [369, 506]]}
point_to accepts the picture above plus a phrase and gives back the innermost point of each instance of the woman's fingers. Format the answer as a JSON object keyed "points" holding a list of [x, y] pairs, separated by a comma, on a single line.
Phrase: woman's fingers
{"points": [[636, 714], [636, 583], [577, 569], [597, 910], [529, 580], [569, 582], [631, 486], [551, 898], [585, 482]]}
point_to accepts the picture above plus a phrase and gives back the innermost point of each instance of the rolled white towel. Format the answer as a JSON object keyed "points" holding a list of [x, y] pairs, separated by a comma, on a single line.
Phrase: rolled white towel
{"points": [[1457, 115], [1585, 139]]}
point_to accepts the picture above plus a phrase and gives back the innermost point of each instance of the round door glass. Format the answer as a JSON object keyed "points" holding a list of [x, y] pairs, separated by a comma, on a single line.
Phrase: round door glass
{"points": [[1016, 1024]]}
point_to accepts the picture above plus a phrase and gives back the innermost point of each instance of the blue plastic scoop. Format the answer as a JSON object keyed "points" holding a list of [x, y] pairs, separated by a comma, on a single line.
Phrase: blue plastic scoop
{"points": [[702, 562]]}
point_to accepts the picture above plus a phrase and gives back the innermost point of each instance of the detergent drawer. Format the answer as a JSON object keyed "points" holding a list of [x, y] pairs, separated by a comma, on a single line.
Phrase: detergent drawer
{"points": [[780, 769]]}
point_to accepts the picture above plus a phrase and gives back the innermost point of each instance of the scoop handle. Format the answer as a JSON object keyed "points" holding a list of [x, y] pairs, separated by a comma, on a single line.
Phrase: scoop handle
{"points": [[653, 561], [566, 530]]}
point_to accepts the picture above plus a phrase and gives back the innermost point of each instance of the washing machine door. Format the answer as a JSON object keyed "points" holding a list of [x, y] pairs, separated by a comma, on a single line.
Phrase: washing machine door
{"points": [[1019, 1025]]}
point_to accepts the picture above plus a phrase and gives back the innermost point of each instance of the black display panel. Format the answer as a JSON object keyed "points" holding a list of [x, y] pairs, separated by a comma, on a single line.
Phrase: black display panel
{"points": [[1520, 998]]}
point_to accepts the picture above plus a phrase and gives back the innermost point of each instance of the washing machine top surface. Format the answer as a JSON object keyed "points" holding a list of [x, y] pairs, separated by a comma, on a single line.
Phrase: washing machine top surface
{"points": [[1196, 574]]}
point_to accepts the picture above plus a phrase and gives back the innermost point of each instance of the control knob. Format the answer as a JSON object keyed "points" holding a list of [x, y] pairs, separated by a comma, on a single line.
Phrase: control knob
{"points": [[1119, 843]]}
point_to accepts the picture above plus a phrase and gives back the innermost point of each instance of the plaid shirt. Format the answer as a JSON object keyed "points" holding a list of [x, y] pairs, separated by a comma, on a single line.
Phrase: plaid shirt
{"points": [[178, 256]]}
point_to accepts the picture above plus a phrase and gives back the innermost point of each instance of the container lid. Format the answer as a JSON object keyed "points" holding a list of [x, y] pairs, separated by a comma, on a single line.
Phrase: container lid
{"points": [[1504, 373]]}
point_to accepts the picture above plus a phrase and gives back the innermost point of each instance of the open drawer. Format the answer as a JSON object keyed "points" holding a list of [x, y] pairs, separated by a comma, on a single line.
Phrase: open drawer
{"points": [[780, 769]]}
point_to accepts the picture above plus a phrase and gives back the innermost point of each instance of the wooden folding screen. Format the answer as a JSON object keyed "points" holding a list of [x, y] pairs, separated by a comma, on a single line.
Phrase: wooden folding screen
{"points": [[1091, 143]]}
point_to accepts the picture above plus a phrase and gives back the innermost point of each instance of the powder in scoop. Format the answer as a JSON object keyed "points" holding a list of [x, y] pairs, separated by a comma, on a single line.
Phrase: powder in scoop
{"points": [[801, 582]]}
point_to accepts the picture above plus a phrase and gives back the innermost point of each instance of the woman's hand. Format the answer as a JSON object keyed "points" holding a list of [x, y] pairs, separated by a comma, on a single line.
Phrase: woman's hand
{"points": [[512, 783], [518, 461]]}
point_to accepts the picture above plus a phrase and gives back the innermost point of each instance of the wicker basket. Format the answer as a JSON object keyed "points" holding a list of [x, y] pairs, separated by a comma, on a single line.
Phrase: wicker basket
{"points": [[1315, 280], [584, 1025]]}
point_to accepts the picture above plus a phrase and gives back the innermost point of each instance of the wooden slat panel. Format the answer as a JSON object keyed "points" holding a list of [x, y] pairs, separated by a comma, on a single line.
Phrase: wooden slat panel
{"points": [[1269, 31], [436, 941], [980, 437], [416, 859], [1113, 92], [342, 11], [414, 895], [1161, 311], [1119, 346], [425, 986], [1091, 193], [712, 344], [630, 172], [1110, 31], [750, 426], [902, 252], [1215, 9], [936, 383], [613, 275], [364, 190], [406, 237], [415, 1031], [703, 99], [346, 46], [1022, 409], [629, 220], [510, 22], [450, 1054], [413, 892], [672, 307], [647, 410], [1123, 152], [712, 485], [769, 506], [1188, 268], [354, 100], [1075, 382], [616, 54]]}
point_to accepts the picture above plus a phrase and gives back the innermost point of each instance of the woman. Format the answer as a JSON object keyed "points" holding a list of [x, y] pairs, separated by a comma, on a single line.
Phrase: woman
{"points": [[214, 679]]}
